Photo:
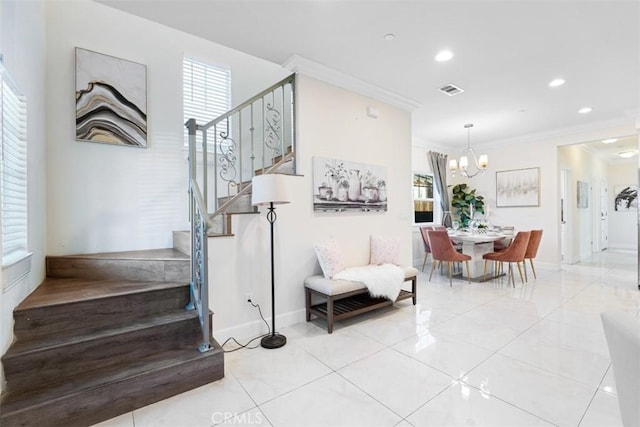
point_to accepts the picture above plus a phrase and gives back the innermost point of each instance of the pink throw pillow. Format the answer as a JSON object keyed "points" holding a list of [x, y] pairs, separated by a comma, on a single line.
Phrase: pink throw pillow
{"points": [[329, 257], [385, 250]]}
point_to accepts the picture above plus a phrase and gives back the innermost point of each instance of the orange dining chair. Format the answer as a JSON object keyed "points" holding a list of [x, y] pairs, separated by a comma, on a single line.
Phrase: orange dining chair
{"points": [[502, 244], [442, 250], [532, 251], [514, 253], [425, 240]]}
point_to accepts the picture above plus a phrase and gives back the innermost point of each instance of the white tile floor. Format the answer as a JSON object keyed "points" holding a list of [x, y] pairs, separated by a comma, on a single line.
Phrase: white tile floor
{"points": [[472, 355]]}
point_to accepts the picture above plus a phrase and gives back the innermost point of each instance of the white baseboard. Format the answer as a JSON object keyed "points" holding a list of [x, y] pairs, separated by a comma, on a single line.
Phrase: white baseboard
{"points": [[255, 328], [623, 248]]}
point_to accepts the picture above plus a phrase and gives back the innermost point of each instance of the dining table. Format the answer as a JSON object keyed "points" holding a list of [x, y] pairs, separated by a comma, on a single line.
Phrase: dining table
{"points": [[476, 244]]}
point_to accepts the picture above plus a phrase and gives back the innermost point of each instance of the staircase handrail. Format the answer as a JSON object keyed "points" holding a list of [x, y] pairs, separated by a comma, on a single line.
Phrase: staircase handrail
{"points": [[200, 223], [289, 79], [200, 204]]}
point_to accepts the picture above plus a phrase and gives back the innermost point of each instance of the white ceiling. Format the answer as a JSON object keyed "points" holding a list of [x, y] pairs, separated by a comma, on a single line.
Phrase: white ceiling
{"points": [[609, 152], [506, 53]]}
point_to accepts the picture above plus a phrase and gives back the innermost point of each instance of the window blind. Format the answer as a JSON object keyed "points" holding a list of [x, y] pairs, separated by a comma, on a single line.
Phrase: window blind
{"points": [[206, 93], [13, 169]]}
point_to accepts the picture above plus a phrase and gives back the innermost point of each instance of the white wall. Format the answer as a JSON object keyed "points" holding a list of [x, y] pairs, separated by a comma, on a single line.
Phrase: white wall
{"points": [[102, 197], [622, 223], [22, 26], [332, 123]]}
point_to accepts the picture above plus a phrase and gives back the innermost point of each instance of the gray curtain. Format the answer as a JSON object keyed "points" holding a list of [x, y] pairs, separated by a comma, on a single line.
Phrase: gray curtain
{"points": [[438, 162]]}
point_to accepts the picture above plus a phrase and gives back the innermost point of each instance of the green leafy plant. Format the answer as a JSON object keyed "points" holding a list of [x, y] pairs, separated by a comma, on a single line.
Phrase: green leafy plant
{"points": [[463, 198]]}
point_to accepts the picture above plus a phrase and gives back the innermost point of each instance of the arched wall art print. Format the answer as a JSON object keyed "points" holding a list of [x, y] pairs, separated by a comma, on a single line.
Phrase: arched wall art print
{"points": [[111, 100]]}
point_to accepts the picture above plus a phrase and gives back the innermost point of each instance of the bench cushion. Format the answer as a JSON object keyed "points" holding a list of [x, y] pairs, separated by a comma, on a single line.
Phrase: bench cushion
{"points": [[409, 271], [336, 287], [331, 286]]}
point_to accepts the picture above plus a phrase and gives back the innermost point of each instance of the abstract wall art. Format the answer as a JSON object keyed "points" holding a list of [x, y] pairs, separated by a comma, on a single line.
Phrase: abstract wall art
{"points": [[519, 187], [111, 100], [348, 186], [626, 198]]}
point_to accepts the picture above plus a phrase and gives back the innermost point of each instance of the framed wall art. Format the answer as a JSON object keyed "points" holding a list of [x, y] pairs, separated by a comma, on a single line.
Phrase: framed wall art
{"points": [[340, 185], [111, 100], [626, 198], [583, 194], [518, 187]]}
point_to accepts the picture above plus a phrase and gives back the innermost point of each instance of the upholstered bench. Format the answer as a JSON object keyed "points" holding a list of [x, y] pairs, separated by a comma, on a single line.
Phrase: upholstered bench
{"points": [[341, 299]]}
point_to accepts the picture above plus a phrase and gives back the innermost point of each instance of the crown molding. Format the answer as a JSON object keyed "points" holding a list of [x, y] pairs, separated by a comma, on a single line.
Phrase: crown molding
{"points": [[305, 66], [571, 135]]}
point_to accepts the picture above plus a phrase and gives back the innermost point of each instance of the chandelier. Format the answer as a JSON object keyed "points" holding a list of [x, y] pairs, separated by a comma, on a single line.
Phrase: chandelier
{"points": [[478, 164]]}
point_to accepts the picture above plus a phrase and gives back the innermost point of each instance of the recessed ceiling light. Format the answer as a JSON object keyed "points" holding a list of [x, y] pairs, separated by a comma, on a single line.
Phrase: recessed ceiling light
{"points": [[627, 154], [444, 55], [609, 140], [556, 82], [585, 110], [389, 36]]}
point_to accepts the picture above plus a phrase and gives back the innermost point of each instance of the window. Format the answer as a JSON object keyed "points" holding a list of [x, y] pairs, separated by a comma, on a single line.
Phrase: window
{"points": [[13, 170], [206, 92], [423, 198]]}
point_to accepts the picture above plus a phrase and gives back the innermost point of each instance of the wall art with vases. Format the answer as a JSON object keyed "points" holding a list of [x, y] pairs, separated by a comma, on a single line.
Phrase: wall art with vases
{"points": [[341, 185]]}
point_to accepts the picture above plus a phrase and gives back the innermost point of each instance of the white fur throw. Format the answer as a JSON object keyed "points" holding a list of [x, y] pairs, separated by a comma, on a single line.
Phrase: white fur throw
{"points": [[382, 280]]}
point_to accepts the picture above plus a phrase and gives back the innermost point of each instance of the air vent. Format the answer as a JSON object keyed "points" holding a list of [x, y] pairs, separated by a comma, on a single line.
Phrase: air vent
{"points": [[451, 89]]}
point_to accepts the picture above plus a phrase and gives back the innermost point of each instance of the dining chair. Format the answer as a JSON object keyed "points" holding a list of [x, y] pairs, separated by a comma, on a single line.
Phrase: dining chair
{"points": [[425, 240], [442, 250], [532, 251], [514, 253], [502, 244]]}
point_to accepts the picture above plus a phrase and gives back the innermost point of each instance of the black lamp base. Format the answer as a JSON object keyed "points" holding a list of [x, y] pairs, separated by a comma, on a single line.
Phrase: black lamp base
{"points": [[273, 341]]}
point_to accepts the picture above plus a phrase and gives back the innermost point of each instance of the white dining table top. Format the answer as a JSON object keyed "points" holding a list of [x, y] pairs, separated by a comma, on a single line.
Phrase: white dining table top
{"points": [[466, 236]]}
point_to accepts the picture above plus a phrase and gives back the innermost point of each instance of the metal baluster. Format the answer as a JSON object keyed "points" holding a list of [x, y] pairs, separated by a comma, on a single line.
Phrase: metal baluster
{"points": [[215, 167], [253, 154], [204, 168]]}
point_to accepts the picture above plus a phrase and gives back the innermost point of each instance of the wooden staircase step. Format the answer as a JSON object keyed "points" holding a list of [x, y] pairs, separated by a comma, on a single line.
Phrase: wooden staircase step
{"points": [[103, 335], [241, 205], [64, 306], [110, 391], [31, 363], [56, 291], [147, 265], [275, 160], [25, 347]]}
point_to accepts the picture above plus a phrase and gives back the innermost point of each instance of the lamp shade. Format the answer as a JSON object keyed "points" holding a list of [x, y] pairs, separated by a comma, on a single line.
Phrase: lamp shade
{"points": [[270, 188]]}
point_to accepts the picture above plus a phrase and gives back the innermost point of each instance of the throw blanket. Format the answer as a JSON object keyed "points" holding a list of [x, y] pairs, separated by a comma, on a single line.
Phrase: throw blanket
{"points": [[382, 280]]}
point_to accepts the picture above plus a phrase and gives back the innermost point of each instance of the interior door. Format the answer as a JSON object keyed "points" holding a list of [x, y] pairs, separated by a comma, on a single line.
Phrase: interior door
{"points": [[565, 256], [604, 216]]}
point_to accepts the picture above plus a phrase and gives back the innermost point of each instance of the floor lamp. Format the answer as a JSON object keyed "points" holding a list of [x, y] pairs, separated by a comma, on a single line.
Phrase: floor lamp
{"points": [[269, 190]]}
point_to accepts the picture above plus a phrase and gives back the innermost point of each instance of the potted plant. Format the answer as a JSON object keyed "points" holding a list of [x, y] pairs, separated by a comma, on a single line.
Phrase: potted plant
{"points": [[369, 187], [343, 190], [382, 190], [335, 172], [463, 201], [324, 191]]}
